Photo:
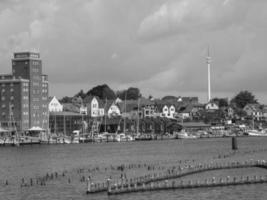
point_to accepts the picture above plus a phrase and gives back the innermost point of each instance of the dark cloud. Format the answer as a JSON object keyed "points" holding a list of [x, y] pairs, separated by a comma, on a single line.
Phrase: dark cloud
{"points": [[157, 45]]}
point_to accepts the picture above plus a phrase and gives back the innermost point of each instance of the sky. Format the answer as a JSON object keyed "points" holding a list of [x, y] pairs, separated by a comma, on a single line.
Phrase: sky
{"points": [[159, 46]]}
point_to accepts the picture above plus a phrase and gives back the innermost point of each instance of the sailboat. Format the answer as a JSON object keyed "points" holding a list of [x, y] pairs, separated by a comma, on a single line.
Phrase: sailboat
{"points": [[123, 137]]}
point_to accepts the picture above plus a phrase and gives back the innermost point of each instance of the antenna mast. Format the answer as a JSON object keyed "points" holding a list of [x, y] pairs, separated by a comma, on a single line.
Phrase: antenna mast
{"points": [[208, 59]]}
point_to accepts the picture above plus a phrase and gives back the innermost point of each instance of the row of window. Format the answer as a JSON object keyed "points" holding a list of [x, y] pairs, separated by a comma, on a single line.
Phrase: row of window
{"points": [[6, 84], [45, 91], [4, 90], [3, 98]]}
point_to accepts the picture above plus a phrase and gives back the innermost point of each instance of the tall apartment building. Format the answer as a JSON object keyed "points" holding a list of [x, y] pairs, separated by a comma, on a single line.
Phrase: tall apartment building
{"points": [[24, 93]]}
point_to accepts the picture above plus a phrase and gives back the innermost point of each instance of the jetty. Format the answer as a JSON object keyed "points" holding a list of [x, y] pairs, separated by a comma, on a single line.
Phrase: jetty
{"points": [[162, 181]]}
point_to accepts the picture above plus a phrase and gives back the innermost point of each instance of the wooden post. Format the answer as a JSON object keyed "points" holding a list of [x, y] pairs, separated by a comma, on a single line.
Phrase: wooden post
{"points": [[234, 143], [108, 185]]}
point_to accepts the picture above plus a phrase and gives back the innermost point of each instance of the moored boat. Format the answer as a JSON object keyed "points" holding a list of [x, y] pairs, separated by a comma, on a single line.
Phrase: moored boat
{"points": [[184, 135]]}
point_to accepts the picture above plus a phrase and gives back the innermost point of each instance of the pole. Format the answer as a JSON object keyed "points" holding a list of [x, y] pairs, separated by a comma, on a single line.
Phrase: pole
{"points": [[105, 113], [138, 104], [124, 124], [209, 84]]}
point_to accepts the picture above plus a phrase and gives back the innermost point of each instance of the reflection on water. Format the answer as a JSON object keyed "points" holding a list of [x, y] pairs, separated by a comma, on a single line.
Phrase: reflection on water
{"points": [[37, 160]]}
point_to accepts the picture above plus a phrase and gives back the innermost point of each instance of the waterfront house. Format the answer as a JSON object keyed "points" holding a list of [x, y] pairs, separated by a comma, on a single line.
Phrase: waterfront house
{"points": [[211, 106], [254, 111], [54, 105], [167, 110], [83, 110], [113, 110], [95, 107], [185, 112]]}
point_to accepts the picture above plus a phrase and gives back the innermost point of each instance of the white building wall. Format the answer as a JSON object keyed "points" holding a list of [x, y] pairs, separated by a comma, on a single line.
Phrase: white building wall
{"points": [[94, 108], [55, 106]]}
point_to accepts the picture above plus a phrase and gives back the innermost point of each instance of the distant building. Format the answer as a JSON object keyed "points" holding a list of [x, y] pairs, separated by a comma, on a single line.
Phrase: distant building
{"points": [[83, 110], [113, 110], [24, 93], [54, 105], [95, 107], [168, 111], [255, 111], [211, 106]]}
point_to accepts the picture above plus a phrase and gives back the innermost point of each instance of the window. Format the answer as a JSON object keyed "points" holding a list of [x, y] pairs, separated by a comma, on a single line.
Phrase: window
{"points": [[3, 90], [3, 98], [11, 90], [11, 98], [3, 105]]}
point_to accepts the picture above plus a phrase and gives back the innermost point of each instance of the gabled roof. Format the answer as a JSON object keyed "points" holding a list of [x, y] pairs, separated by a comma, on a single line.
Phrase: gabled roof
{"points": [[188, 109], [88, 100]]}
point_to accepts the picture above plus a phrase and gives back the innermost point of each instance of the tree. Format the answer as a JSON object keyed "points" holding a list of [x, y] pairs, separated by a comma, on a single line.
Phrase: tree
{"points": [[169, 98], [102, 91], [130, 94], [80, 94], [243, 98], [222, 102], [65, 100]]}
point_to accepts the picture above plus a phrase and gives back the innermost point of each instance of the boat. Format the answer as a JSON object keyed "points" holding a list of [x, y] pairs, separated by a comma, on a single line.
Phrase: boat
{"points": [[24, 139], [123, 138], [141, 137], [184, 135], [255, 132]]}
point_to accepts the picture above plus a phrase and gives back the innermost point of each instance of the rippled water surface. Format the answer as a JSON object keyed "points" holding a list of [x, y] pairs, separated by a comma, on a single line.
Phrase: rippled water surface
{"points": [[37, 160]]}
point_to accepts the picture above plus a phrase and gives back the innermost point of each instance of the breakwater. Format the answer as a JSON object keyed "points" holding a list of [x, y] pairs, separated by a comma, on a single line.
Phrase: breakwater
{"points": [[141, 183]]}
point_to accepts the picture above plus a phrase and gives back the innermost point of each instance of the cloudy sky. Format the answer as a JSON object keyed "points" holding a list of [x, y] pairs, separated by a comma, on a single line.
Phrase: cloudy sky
{"points": [[157, 45]]}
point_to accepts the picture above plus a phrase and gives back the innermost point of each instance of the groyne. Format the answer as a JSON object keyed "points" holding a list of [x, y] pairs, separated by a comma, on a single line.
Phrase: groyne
{"points": [[147, 182]]}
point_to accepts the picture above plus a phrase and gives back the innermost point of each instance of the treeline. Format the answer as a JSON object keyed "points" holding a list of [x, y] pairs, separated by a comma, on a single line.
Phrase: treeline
{"points": [[238, 102], [105, 92]]}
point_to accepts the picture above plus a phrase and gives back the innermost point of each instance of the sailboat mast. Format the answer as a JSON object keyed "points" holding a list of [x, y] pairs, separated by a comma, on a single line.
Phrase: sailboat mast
{"points": [[124, 124], [138, 104], [105, 113]]}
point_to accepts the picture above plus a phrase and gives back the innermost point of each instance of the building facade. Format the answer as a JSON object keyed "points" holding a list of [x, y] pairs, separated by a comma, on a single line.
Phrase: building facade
{"points": [[54, 105], [24, 93]]}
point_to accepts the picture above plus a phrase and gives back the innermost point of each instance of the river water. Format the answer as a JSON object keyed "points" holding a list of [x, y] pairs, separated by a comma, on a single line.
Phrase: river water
{"points": [[38, 160]]}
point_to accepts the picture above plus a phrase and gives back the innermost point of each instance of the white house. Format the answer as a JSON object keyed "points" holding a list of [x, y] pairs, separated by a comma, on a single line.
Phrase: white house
{"points": [[94, 107], [83, 110], [113, 110], [211, 106], [168, 111], [54, 105]]}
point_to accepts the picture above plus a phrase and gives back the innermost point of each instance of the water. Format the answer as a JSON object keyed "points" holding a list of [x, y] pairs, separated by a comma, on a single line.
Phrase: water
{"points": [[38, 160]]}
